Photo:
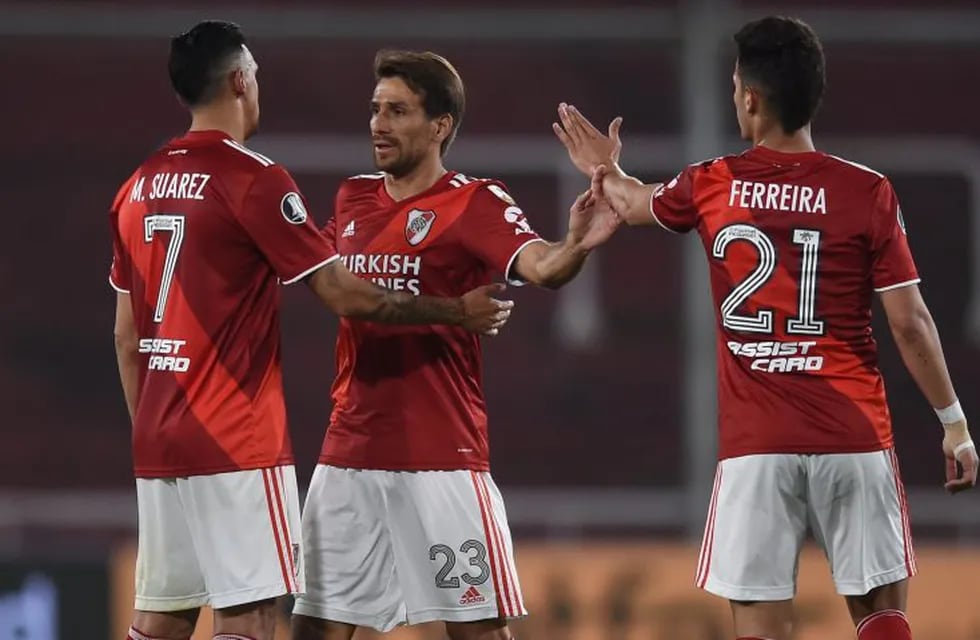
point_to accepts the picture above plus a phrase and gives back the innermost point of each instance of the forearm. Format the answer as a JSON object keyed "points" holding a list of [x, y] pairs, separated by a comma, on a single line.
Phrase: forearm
{"points": [[557, 263], [918, 342], [629, 197], [127, 357], [352, 297]]}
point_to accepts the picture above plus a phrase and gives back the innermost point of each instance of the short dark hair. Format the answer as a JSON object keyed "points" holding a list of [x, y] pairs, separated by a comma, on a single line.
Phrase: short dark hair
{"points": [[431, 77], [782, 58], [199, 58]]}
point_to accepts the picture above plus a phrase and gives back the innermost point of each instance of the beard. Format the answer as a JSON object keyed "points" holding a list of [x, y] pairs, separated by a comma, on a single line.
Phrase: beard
{"points": [[398, 163]]}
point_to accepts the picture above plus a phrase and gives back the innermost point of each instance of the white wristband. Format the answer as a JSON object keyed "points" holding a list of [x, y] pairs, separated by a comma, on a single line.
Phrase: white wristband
{"points": [[962, 447], [951, 414]]}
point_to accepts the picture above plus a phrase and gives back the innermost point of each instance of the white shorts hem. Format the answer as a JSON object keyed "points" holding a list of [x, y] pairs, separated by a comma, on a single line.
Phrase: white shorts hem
{"points": [[751, 594], [473, 614], [851, 588], [379, 622], [170, 603], [246, 596]]}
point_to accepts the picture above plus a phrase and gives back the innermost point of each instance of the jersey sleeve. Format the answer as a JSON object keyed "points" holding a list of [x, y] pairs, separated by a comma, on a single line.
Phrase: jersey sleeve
{"points": [[672, 204], [892, 265], [121, 270], [329, 233], [274, 215], [495, 228], [120, 273]]}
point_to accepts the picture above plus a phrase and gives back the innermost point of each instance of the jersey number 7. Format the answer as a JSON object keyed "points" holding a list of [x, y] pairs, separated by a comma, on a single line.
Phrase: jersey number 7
{"points": [[175, 225]]}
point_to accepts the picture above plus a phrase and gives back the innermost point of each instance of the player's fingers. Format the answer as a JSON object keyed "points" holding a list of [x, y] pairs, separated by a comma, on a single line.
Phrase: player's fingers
{"points": [[572, 128], [496, 287], [968, 460], [491, 332], [587, 127], [960, 484], [565, 140], [597, 175], [614, 128], [952, 472], [503, 304]]}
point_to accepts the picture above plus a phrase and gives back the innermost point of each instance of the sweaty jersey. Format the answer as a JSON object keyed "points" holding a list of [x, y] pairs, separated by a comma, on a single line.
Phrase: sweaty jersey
{"points": [[797, 244], [411, 398], [202, 234]]}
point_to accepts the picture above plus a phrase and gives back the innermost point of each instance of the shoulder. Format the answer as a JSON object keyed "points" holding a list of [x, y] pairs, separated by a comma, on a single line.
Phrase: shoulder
{"points": [[482, 192], [361, 184], [857, 174]]}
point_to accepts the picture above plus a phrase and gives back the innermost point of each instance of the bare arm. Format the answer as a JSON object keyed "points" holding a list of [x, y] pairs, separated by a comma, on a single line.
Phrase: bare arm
{"points": [[127, 351], [550, 264], [629, 197], [591, 222], [918, 341], [347, 295]]}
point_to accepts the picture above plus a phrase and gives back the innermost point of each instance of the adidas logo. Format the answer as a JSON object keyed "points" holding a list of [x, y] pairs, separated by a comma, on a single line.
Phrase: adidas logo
{"points": [[348, 230], [472, 596]]}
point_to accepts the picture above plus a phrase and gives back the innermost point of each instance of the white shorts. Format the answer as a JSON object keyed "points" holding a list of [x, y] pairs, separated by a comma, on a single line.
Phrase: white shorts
{"points": [[219, 540], [762, 506], [385, 548]]}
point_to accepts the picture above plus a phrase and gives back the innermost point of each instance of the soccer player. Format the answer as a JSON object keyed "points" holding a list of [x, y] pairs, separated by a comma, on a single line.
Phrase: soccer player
{"points": [[797, 243], [202, 233], [403, 523]]}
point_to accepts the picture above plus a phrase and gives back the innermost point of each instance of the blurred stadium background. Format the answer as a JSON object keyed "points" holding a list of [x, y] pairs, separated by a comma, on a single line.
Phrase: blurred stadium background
{"points": [[600, 396]]}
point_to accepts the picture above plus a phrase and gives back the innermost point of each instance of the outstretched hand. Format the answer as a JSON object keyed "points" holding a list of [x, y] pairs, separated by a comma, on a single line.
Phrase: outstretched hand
{"points": [[587, 146]]}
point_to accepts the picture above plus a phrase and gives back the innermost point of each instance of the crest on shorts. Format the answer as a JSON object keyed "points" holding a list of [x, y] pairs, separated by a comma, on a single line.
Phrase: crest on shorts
{"points": [[418, 225]]}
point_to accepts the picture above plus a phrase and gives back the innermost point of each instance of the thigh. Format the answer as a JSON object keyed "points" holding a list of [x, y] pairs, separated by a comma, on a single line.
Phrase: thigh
{"points": [[168, 575], [755, 528], [453, 549], [349, 563], [246, 530], [859, 514]]}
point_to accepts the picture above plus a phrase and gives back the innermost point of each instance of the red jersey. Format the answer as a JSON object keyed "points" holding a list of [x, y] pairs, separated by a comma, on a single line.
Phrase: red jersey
{"points": [[796, 244], [202, 233], [411, 398]]}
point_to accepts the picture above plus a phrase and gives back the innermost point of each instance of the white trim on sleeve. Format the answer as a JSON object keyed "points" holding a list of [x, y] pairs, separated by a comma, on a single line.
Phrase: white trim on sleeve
{"points": [[116, 286], [335, 256], [898, 285], [653, 194], [510, 263]]}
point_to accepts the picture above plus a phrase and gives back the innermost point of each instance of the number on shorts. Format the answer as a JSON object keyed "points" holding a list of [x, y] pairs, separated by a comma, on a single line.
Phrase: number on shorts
{"points": [[450, 555], [478, 559]]}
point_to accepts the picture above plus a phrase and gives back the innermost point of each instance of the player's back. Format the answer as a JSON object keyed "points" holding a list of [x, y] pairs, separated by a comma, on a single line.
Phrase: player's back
{"points": [[797, 244], [196, 243]]}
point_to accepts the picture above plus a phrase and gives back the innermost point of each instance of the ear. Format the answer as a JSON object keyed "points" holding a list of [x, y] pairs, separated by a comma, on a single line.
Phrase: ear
{"points": [[442, 127], [753, 101], [238, 82]]}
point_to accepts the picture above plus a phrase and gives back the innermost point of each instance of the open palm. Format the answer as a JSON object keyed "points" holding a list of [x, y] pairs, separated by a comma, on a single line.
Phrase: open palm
{"points": [[587, 146]]}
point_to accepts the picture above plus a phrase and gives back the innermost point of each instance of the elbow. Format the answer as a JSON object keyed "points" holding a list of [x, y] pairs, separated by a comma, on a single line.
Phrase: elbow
{"points": [[912, 327], [126, 341]]}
